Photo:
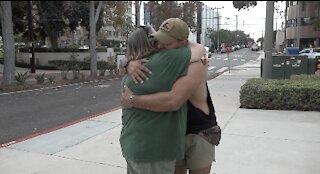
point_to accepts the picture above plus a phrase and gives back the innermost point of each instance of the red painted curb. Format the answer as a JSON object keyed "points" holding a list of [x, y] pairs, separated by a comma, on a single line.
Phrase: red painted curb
{"points": [[56, 128]]}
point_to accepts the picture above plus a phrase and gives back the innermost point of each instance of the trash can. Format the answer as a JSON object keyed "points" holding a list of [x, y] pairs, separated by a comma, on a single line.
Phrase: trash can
{"points": [[277, 70], [296, 65], [284, 66], [312, 66]]}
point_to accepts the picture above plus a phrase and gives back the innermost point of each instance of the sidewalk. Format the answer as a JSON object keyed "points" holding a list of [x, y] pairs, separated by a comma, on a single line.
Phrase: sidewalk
{"points": [[253, 141]]}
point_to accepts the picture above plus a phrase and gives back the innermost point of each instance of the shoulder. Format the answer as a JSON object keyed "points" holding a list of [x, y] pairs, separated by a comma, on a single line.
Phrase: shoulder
{"points": [[197, 47], [184, 52], [197, 51]]}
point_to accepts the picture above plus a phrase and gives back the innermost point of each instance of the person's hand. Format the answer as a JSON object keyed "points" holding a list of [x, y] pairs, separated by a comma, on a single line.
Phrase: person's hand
{"points": [[125, 97], [138, 71], [204, 60]]}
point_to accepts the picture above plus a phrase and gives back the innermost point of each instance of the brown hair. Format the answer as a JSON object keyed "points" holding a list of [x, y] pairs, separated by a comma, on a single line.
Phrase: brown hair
{"points": [[139, 43]]}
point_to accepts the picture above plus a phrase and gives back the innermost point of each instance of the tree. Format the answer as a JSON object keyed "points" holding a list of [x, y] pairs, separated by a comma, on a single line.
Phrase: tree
{"points": [[8, 40], [94, 15], [244, 4], [261, 39], [162, 10], [227, 36], [115, 14], [19, 19], [50, 19], [188, 9], [112, 13]]}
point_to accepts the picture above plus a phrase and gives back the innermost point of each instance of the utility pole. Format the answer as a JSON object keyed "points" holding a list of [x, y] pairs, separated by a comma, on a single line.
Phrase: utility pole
{"points": [[199, 16], [243, 25], [31, 49], [137, 10], [268, 40], [218, 28], [236, 22], [285, 25]]}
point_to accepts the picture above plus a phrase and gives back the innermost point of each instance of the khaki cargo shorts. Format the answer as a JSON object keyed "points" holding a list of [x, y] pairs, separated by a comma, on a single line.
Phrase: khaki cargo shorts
{"points": [[199, 153], [159, 167]]}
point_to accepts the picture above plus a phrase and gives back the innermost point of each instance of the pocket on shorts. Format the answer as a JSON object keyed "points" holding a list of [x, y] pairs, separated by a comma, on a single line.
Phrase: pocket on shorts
{"points": [[212, 135]]}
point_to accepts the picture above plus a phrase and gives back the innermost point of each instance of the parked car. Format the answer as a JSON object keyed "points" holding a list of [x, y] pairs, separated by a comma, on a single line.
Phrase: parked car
{"points": [[254, 48], [310, 52], [208, 53], [223, 50]]}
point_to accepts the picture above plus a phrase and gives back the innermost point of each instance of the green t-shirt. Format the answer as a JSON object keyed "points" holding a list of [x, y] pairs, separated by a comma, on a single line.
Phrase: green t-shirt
{"points": [[148, 136]]}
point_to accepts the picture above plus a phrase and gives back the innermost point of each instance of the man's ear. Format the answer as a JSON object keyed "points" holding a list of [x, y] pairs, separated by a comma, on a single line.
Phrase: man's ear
{"points": [[183, 43]]}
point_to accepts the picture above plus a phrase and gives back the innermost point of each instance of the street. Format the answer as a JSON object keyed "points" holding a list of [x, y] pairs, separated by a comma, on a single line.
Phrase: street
{"points": [[219, 63], [27, 113]]}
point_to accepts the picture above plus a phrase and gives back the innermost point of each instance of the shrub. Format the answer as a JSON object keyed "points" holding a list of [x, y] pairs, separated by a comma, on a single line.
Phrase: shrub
{"points": [[51, 78], [22, 77], [102, 67], [40, 78], [298, 93]]}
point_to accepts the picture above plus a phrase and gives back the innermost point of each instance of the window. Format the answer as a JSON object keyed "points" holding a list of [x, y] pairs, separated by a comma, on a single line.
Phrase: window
{"points": [[316, 50], [109, 33]]}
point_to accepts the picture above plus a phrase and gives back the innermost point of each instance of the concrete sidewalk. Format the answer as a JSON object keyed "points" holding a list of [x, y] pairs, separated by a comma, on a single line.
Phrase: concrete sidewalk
{"points": [[253, 141]]}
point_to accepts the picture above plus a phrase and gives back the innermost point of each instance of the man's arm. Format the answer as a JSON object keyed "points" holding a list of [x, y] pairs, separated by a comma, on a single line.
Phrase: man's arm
{"points": [[172, 100]]}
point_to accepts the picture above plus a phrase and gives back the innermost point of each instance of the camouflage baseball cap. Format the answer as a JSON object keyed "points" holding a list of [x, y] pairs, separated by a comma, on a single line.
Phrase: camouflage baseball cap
{"points": [[171, 30]]}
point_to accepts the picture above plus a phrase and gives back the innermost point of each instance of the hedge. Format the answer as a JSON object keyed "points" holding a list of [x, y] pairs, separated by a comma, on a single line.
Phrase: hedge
{"points": [[300, 92]]}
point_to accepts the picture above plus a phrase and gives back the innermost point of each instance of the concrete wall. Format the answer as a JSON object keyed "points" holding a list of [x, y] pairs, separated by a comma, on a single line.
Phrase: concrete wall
{"points": [[42, 58]]}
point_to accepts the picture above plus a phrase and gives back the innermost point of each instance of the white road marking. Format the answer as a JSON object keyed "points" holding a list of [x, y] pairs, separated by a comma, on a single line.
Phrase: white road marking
{"points": [[222, 69], [211, 67]]}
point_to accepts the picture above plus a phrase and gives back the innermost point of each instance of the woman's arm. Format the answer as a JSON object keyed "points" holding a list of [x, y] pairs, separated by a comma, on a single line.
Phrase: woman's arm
{"points": [[135, 68]]}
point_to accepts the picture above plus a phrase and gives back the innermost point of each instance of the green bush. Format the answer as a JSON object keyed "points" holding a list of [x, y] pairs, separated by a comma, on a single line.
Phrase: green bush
{"points": [[21, 78], [51, 78], [301, 92], [40, 78], [102, 67]]}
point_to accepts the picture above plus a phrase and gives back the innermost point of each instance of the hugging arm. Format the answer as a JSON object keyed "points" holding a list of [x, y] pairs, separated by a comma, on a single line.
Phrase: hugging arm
{"points": [[172, 100], [135, 68]]}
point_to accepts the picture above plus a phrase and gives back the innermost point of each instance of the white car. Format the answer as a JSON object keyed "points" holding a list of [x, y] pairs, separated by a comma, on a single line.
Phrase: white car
{"points": [[254, 47], [310, 52]]}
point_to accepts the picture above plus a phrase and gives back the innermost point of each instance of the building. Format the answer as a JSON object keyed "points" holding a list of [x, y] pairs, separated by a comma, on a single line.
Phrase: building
{"points": [[301, 30], [209, 22]]}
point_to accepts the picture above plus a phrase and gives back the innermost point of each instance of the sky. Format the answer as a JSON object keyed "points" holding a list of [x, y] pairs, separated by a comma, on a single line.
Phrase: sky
{"points": [[251, 21]]}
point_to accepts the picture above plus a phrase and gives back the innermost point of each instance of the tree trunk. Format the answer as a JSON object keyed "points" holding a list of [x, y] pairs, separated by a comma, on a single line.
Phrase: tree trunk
{"points": [[8, 43], [93, 39], [199, 27]]}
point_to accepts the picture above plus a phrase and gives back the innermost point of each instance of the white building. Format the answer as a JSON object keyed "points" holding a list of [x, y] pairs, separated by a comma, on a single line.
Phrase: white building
{"points": [[209, 21]]}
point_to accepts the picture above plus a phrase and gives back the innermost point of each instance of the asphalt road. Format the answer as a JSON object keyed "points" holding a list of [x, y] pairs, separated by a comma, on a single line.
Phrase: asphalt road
{"points": [[220, 62], [27, 113], [23, 114]]}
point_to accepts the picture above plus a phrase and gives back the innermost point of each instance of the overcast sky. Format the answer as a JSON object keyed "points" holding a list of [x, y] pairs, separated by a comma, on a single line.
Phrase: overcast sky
{"points": [[250, 21]]}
